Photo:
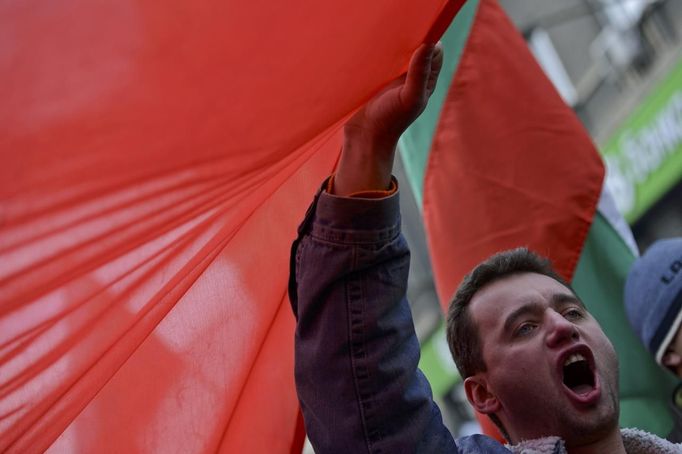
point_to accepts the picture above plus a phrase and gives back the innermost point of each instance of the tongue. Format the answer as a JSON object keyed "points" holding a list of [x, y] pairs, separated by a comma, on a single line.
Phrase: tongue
{"points": [[581, 389]]}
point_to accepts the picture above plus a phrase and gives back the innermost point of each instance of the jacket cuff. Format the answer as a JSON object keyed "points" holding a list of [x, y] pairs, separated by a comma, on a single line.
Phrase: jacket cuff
{"points": [[356, 219], [368, 194]]}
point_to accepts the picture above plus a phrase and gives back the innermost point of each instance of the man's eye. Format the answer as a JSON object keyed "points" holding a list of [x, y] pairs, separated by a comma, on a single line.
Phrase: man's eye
{"points": [[573, 314], [525, 329]]}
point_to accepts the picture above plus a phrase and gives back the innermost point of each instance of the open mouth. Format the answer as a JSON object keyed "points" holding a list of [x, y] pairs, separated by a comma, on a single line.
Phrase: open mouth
{"points": [[577, 374]]}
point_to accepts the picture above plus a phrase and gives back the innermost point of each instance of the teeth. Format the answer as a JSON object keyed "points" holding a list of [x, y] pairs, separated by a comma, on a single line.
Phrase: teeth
{"points": [[574, 358]]}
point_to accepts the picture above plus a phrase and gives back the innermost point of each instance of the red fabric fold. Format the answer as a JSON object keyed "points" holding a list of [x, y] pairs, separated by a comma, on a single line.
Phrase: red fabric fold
{"points": [[157, 157]]}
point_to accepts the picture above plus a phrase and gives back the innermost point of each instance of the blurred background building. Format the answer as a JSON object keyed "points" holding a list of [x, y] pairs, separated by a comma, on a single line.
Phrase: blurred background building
{"points": [[618, 64]]}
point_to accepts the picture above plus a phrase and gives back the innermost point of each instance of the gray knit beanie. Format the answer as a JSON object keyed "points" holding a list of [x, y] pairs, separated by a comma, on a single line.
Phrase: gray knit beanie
{"points": [[653, 295]]}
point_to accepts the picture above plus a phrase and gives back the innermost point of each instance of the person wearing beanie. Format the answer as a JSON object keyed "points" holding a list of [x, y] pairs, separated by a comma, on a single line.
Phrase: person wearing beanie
{"points": [[653, 303]]}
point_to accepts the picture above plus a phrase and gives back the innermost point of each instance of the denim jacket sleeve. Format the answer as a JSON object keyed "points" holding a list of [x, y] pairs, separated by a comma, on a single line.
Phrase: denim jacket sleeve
{"points": [[356, 348]]}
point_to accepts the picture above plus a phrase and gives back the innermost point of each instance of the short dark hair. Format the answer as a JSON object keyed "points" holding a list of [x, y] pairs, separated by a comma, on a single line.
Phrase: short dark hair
{"points": [[462, 332]]}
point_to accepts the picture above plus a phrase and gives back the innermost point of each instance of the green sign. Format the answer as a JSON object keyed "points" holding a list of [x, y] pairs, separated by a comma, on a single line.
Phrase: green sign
{"points": [[644, 157], [437, 364]]}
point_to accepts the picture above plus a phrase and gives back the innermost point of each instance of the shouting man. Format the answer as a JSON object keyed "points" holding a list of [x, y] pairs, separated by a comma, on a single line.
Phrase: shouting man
{"points": [[531, 355]]}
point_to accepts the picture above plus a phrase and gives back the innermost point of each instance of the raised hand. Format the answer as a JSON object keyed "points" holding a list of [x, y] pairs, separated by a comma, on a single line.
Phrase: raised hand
{"points": [[371, 135]]}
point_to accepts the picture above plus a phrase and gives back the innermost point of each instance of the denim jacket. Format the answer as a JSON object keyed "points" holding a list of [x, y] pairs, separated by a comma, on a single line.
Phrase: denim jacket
{"points": [[356, 350]]}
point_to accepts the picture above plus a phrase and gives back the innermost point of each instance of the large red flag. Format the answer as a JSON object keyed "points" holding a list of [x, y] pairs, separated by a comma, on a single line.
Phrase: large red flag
{"points": [[156, 157]]}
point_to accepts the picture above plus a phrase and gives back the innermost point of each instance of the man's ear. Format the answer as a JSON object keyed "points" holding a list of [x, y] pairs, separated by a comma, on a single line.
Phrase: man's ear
{"points": [[480, 396], [671, 359]]}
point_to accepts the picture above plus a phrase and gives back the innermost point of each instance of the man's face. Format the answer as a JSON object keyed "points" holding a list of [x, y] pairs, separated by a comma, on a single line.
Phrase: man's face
{"points": [[550, 367]]}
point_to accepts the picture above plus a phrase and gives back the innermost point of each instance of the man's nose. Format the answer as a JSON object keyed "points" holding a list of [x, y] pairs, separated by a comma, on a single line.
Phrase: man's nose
{"points": [[559, 330]]}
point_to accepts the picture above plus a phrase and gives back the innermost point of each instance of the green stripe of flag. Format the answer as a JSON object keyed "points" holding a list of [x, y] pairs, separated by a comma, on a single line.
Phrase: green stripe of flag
{"points": [[415, 143], [598, 280]]}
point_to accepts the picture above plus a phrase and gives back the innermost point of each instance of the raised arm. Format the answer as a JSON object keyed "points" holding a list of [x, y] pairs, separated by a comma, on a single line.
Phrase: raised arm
{"points": [[356, 349]]}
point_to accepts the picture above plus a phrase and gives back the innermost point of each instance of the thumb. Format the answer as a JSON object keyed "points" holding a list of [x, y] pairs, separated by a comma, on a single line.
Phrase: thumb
{"points": [[413, 93], [436, 65]]}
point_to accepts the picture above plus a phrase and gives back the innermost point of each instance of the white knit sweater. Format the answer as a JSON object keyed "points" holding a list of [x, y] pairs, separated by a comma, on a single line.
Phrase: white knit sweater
{"points": [[636, 442]]}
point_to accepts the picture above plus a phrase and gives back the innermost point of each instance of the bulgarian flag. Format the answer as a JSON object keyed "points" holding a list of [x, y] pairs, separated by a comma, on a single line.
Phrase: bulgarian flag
{"points": [[498, 161]]}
